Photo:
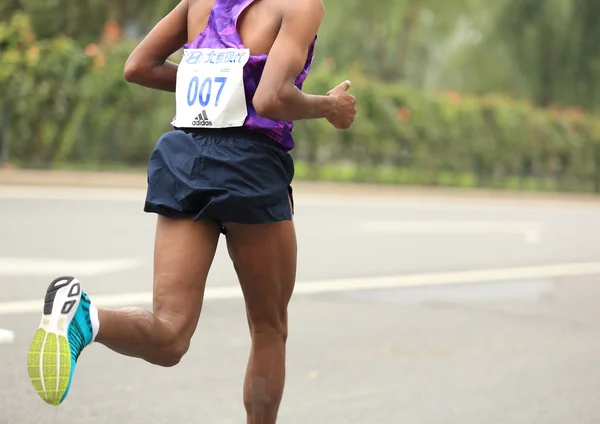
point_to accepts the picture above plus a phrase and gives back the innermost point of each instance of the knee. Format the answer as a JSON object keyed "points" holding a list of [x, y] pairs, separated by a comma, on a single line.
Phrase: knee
{"points": [[174, 343], [269, 323], [171, 355], [273, 332]]}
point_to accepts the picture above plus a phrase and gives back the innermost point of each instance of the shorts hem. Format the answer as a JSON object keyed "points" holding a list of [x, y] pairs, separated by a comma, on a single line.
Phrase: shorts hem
{"points": [[250, 215]]}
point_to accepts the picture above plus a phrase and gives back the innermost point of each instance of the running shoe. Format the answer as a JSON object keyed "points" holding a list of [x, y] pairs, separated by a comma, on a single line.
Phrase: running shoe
{"points": [[69, 323]]}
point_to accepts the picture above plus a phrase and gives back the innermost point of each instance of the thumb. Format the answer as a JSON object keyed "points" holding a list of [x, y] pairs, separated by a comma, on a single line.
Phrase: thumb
{"points": [[345, 86]]}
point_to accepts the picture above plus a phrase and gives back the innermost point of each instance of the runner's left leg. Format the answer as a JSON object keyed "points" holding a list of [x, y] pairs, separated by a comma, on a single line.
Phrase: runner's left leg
{"points": [[184, 251]]}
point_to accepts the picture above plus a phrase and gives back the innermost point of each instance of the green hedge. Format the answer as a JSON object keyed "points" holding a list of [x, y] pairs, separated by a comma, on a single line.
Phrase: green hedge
{"points": [[66, 106]]}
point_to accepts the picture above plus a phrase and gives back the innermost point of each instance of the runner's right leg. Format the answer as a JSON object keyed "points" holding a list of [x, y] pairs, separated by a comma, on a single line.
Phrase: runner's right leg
{"points": [[264, 257], [184, 251]]}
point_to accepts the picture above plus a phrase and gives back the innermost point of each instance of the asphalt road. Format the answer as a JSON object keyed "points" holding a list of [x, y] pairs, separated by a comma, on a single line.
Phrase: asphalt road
{"points": [[429, 312]]}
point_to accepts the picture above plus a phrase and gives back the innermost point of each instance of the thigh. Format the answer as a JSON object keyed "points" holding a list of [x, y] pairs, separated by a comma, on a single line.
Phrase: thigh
{"points": [[265, 257], [183, 254]]}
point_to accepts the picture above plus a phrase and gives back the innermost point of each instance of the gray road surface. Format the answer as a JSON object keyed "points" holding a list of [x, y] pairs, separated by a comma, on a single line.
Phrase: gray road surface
{"points": [[515, 347]]}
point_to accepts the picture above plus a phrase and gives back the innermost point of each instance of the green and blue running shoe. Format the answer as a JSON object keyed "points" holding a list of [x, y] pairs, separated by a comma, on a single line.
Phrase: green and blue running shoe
{"points": [[69, 323]]}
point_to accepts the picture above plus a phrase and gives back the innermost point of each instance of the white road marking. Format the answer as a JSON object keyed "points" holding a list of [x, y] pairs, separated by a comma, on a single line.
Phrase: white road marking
{"points": [[532, 237], [18, 267], [529, 230], [345, 284], [6, 337]]}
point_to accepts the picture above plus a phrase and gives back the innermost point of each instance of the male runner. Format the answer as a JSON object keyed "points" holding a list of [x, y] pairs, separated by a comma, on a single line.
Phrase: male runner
{"points": [[225, 168]]}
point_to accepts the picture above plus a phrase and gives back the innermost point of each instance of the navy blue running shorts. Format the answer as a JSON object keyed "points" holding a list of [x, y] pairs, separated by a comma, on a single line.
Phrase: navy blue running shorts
{"points": [[227, 175]]}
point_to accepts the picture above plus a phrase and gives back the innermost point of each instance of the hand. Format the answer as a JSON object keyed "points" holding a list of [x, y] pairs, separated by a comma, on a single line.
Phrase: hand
{"points": [[342, 115]]}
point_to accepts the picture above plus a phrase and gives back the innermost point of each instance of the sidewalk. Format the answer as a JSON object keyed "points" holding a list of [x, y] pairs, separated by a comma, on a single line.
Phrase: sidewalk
{"points": [[137, 180], [79, 179]]}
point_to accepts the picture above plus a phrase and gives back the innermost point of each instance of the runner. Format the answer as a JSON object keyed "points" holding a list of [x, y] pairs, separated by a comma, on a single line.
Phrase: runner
{"points": [[224, 168]]}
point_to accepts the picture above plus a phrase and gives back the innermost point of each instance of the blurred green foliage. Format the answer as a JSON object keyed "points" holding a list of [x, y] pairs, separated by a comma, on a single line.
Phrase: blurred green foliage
{"points": [[454, 92]]}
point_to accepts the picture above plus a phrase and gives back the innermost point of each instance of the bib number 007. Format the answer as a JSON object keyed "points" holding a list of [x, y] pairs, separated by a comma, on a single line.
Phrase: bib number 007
{"points": [[201, 92]]}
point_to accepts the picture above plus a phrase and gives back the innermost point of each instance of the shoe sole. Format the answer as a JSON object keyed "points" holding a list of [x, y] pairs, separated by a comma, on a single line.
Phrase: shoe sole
{"points": [[49, 358]]}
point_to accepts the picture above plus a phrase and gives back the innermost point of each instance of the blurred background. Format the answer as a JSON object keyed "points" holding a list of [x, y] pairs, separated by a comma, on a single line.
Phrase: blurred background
{"points": [[416, 302], [451, 92]]}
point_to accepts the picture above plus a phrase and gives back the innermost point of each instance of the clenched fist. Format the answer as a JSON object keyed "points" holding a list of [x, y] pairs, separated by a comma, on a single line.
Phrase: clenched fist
{"points": [[342, 115]]}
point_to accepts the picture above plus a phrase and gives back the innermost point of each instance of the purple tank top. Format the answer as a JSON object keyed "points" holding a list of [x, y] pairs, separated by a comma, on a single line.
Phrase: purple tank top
{"points": [[221, 32]]}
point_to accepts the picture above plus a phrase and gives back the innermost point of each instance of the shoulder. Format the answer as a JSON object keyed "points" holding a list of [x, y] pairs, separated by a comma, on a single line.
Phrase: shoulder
{"points": [[312, 9]]}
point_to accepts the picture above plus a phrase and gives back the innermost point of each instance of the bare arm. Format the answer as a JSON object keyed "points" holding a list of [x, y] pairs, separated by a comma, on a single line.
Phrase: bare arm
{"points": [[148, 65], [276, 96]]}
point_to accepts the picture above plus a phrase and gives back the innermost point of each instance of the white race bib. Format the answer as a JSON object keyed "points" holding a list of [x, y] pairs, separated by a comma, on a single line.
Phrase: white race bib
{"points": [[210, 89]]}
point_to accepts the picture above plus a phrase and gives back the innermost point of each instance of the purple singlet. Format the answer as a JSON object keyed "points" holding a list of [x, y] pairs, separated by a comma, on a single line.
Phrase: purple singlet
{"points": [[221, 32]]}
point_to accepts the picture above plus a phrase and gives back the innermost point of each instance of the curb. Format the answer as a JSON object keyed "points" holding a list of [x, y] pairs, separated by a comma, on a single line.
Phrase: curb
{"points": [[79, 179]]}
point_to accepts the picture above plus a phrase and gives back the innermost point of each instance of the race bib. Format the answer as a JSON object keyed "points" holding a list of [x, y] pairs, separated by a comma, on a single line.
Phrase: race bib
{"points": [[210, 89]]}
